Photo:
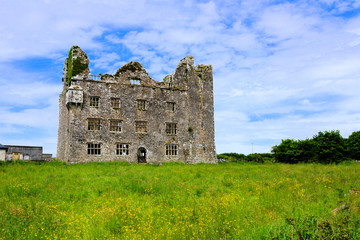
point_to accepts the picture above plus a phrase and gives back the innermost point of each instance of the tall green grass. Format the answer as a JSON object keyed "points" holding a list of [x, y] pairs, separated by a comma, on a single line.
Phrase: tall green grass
{"points": [[176, 201]]}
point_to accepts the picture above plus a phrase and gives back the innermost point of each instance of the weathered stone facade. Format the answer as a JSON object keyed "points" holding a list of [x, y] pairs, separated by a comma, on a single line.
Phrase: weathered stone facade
{"points": [[129, 116]]}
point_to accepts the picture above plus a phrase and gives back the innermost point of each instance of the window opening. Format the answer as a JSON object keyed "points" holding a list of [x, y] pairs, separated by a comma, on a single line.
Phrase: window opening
{"points": [[93, 124], [170, 106], [135, 81], [171, 149], [115, 125], [122, 149], [115, 103], [140, 126], [94, 148], [141, 105], [170, 128], [95, 77], [94, 101]]}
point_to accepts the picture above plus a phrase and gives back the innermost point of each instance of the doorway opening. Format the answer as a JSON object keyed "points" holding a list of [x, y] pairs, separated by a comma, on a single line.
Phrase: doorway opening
{"points": [[15, 156], [141, 154]]}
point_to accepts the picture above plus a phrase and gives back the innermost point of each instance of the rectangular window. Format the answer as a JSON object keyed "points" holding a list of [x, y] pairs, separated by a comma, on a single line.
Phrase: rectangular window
{"points": [[171, 149], [115, 103], [115, 125], [135, 81], [141, 105], [170, 106], [94, 101], [140, 126], [93, 124], [94, 148], [122, 149], [170, 128]]}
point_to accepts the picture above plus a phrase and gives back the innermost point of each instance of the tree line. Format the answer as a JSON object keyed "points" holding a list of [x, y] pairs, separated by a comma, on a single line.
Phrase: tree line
{"points": [[325, 147]]}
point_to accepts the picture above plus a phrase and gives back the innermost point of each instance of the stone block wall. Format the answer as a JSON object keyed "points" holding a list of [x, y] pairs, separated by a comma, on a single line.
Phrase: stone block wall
{"points": [[28, 153], [178, 114]]}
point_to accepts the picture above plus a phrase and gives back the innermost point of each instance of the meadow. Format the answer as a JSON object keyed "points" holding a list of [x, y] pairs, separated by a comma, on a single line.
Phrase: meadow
{"points": [[176, 201]]}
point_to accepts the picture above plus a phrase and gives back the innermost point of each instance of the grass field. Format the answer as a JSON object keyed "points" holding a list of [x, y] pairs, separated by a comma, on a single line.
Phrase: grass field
{"points": [[177, 201]]}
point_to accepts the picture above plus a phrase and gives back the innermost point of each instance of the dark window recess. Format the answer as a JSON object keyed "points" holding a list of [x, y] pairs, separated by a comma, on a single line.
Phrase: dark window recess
{"points": [[115, 103], [122, 149], [115, 125], [141, 105], [94, 101], [171, 149], [170, 128], [94, 148], [93, 124], [170, 106]]}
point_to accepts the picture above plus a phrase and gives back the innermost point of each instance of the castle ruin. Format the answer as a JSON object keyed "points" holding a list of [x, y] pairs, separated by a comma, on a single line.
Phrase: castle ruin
{"points": [[130, 117]]}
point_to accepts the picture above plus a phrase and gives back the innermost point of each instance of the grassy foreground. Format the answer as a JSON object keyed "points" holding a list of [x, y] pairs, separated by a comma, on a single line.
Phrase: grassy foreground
{"points": [[177, 201]]}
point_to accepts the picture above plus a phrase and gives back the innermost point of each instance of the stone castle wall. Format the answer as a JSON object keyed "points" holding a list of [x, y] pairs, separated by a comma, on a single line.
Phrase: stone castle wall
{"points": [[184, 98]]}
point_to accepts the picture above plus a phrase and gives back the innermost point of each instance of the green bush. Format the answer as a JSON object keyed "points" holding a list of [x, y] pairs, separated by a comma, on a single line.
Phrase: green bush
{"points": [[232, 157], [325, 147], [353, 145], [260, 157], [330, 147]]}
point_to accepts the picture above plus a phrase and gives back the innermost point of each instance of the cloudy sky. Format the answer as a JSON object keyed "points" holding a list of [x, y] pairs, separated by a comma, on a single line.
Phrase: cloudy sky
{"points": [[282, 69]]}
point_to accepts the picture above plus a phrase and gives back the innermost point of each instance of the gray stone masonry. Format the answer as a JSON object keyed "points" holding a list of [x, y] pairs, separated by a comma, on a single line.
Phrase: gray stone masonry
{"points": [[29, 153], [130, 117]]}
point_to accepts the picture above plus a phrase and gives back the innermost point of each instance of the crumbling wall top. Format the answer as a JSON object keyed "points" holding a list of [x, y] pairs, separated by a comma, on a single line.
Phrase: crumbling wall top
{"points": [[77, 64], [132, 67], [77, 68], [188, 61]]}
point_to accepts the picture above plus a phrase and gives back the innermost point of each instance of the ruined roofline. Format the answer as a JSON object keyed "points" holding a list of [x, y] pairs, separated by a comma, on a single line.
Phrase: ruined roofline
{"points": [[134, 66], [77, 68]]}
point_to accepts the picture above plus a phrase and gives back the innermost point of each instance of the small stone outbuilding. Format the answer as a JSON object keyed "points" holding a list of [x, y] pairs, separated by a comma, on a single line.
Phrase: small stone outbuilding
{"points": [[27, 153]]}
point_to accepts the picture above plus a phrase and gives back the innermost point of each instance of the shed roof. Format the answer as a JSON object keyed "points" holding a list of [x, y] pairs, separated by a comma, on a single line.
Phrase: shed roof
{"points": [[3, 147], [21, 146]]}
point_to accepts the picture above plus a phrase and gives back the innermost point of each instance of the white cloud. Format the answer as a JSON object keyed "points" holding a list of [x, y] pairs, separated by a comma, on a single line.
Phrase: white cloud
{"points": [[107, 61], [340, 6], [285, 21]]}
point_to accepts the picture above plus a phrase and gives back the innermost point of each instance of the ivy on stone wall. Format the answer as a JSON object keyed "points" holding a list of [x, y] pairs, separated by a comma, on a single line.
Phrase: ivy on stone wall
{"points": [[69, 67], [75, 66]]}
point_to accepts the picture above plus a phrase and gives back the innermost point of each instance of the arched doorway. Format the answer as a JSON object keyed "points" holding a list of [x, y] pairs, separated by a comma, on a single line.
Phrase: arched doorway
{"points": [[141, 154]]}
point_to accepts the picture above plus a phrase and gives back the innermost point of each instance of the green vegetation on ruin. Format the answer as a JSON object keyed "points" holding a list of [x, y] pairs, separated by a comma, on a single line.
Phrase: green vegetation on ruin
{"points": [[131, 66], [75, 66], [117, 200]]}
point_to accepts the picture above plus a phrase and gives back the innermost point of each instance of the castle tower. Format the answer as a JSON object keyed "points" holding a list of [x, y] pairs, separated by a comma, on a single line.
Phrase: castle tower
{"points": [[129, 116]]}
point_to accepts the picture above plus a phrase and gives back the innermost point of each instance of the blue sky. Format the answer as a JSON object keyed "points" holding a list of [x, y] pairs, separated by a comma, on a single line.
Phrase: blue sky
{"points": [[282, 69]]}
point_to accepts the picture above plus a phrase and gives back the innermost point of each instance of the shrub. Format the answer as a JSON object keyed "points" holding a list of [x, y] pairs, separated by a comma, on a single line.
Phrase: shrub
{"points": [[232, 157], [330, 147], [353, 145]]}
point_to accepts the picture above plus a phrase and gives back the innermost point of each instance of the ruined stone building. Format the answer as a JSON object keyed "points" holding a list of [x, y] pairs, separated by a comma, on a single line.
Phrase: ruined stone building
{"points": [[131, 117]]}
